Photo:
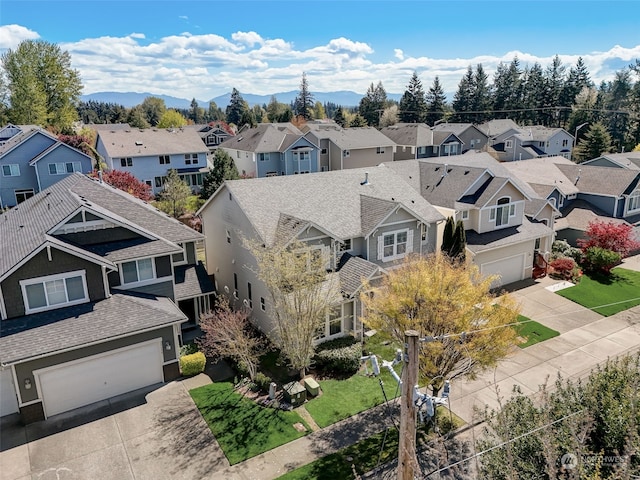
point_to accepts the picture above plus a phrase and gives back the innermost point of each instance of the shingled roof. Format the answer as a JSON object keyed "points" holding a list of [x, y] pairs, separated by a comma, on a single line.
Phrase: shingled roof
{"points": [[333, 201], [413, 134], [264, 138], [26, 227], [144, 142], [610, 181]]}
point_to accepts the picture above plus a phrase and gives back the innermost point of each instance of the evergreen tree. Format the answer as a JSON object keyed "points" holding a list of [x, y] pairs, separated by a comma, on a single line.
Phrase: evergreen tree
{"points": [[463, 98], [196, 114], [459, 242], [481, 95], [224, 168], [174, 195], [436, 103], [447, 236], [618, 100], [358, 121], [413, 106], [303, 104], [577, 80], [214, 113], [534, 95], [338, 117], [596, 142], [40, 85], [153, 108], [507, 91], [236, 108], [555, 78], [372, 104], [136, 118]]}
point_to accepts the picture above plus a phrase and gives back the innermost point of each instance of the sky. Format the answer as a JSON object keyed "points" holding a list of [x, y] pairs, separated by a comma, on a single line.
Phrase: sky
{"points": [[203, 49]]}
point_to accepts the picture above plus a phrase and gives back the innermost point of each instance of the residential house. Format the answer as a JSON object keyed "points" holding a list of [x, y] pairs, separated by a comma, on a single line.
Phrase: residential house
{"points": [[91, 281], [629, 160], [362, 220], [509, 228], [32, 159], [342, 148], [583, 193], [272, 149], [470, 136], [418, 140], [511, 142], [213, 134], [149, 153]]}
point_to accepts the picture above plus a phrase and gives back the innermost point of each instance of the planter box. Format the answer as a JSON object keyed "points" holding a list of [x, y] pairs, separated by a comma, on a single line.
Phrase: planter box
{"points": [[312, 386]]}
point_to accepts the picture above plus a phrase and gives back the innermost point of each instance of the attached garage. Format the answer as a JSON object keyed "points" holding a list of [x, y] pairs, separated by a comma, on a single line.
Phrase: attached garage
{"points": [[509, 269], [81, 382], [8, 397]]}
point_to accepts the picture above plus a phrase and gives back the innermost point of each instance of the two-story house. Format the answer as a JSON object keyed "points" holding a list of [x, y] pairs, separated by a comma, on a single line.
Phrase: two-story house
{"points": [[342, 148], [272, 149], [418, 140], [507, 225], [32, 159], [363, 220], [629, 160], [91, 281], [470, 136], [149, 153], [213, 133]]}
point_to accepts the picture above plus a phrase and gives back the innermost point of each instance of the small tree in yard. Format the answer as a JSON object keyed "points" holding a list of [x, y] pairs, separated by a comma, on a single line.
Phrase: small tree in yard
{"points": [[606, 243], [126, 182], [174, 196], [228, 333], [301, 294], [440, 296]]}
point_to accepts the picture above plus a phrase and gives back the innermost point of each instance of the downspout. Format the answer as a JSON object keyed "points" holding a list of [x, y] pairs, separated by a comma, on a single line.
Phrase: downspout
{"points": [[37, 177]]}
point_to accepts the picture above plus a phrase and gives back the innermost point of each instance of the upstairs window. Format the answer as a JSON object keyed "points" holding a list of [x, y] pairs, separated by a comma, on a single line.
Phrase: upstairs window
{"points": [[379, 150], [191, 158], [54, 291], [126, 162], [508, 144], [138, 271], [165, 159], [64, 167], [11, 170], [634, 201], [262, 157], [502, 212], [395, 245]]}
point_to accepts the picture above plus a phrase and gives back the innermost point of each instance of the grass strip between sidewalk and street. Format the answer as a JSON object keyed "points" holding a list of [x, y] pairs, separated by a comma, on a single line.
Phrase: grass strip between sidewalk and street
{"points": [[533, 332]]}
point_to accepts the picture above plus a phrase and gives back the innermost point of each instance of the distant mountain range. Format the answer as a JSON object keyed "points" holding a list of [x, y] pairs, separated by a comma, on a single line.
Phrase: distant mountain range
{"points": [[131, 99]]}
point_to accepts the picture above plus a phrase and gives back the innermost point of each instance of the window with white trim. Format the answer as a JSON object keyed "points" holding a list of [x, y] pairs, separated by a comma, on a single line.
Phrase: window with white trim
{"points": [[263, 157], [23, 194], [12, 170], [502, 212], [394, 245], [465, 215], [508, 144], [191, 158], [634, 201], [126, 162], [138, 271], [333, 325], [379, 150], [301, 155], [62, 168], [54, 291], [164, 159], [263, 304], [180, 258]]}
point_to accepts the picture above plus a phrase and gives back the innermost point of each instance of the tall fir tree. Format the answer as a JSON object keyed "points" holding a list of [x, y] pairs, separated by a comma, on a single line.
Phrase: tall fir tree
{"points": [[463, 98], [436, 103], [236, 108], [413, 106], [595, 142], [304, 102], [481, 95], [372, 104]]}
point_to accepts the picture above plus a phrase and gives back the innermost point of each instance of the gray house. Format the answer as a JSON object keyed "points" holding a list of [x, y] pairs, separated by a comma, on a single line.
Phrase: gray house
{"points": [[418, 140], [362, 221], [31, 160], [471, 137], [272, 149], [149, 153], [91, 281], [629, 160]]}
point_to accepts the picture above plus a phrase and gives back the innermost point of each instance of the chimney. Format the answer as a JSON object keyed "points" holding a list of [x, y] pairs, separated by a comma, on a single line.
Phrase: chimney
{"points": [[366, 179]]}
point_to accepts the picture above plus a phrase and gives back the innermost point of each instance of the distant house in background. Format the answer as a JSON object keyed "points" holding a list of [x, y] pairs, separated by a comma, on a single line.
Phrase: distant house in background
{"points": [[511, 142], [418, 140], [629, 160], [32, 159], [272, 149], [149, 153], [213, 133], [470, 136], [343, 148]]}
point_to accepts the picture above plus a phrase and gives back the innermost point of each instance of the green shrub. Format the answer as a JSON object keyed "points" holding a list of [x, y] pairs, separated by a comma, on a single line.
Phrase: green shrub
{"points": [[600, 259], [192, 364], [188, 349], [262, 381], [339, 356]]}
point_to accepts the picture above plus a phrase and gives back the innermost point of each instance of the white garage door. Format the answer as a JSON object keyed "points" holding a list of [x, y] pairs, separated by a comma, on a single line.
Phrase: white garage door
{"points": [[81, 382], [510, 270], [8, 398]]}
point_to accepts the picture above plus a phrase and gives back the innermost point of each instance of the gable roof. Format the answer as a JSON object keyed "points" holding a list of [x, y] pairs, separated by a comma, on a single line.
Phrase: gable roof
{"points": [[24, 135], [353, 271], [413, 134], [55, 146], [26, 227], [609, 181], [543, 171], [332, 201], [493, 128], [630, 160], [146, 142], [456, 128], [353, 138], [264, 138]]}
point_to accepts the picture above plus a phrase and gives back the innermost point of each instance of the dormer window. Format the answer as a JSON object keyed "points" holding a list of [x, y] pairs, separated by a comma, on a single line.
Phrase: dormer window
{"points": [[54, 291]]}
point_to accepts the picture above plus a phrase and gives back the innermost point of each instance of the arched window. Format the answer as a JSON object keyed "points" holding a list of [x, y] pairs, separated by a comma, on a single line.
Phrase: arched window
{"points": [[634, 201], [503, 211]]}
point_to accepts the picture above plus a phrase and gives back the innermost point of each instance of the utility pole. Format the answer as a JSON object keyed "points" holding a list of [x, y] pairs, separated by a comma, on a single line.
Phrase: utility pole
{"points": [[407, 460]]}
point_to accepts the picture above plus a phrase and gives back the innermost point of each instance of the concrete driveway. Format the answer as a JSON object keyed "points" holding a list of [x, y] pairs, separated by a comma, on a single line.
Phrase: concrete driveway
{"points": [[154, 433]]}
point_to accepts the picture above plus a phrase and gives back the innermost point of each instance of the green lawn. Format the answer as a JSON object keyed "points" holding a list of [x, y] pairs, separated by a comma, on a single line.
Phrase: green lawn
{"points": [[606, 295], [533, 331], [243, 428]]}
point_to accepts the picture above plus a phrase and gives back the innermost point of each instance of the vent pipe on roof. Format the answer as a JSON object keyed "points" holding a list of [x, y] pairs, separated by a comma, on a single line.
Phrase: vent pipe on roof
{"points": [[366, 179], [100, 175], [578, 177]]}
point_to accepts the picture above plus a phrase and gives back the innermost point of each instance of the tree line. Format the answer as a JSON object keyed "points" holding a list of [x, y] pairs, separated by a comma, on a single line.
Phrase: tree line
{"points": [[38, 86]]}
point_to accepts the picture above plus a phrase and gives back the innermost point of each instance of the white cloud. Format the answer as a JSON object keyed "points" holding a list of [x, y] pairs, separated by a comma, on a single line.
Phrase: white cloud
{"points": [[190, 65], [12, 35]]}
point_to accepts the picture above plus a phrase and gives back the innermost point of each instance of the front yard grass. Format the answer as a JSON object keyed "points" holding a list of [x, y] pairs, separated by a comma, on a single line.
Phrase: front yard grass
{"points": [[243, 428], [604, 294], [533, 332]]}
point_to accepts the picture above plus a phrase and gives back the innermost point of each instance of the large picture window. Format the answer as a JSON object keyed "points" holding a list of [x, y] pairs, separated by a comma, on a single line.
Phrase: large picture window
{"points": [[54, 291], [394, 245], [502, 212], [138, 271], [12, 170], [634, 201], [64, 167]]}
